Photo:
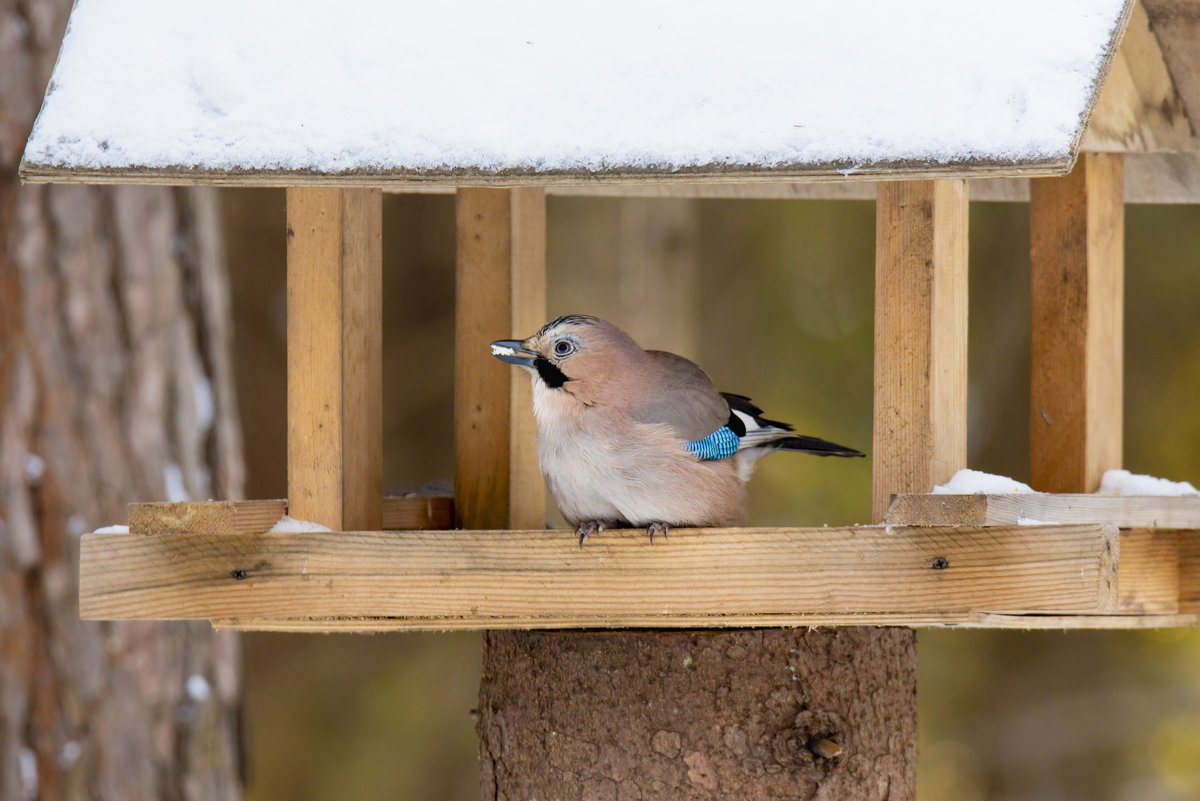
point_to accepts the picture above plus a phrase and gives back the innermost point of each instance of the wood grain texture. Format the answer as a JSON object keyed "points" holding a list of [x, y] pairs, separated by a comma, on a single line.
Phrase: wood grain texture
{"points": [[920, 432], [956, 620], [500, 294], [1189, 572], [217, 518], [1148, 581], [256, 517], [541, 578], [1077, 254], [1138, 109], [335, 381], [1123, 511], [1176, 27], [400, 179], [417, 512]]}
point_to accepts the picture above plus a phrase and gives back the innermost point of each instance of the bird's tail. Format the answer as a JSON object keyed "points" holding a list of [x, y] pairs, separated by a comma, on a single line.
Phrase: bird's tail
{"points": [[820, 447]]}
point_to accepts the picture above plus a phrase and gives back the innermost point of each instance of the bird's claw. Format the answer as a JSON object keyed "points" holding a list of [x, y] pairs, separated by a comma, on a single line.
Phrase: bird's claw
{"points": [[588, 527], [657, 528]]}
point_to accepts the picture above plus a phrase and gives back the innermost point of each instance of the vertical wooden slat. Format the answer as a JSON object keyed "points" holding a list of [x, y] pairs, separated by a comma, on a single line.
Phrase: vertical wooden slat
{"points": [[920, 437], [501, 294], [335, 378], [1077, 240]]}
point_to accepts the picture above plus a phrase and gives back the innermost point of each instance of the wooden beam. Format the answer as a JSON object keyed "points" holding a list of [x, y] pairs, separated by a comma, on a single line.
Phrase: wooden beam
{"points": [[1077, 254], [1176, 27], [535, 579], [1138, 109], [1149, 578], [335, 367], [218, 518], [920, 437], [257, 517], [500, 294], [838, 172], [1123, 511], [957, 620], [1189, 572]]}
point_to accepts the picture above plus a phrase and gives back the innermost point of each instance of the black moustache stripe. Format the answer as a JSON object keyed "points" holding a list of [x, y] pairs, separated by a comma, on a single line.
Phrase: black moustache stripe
{"points": [[550, 374]]}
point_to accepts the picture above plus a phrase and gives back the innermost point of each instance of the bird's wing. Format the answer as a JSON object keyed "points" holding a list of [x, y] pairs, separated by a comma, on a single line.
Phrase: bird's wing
{"points": [[677, 393]]}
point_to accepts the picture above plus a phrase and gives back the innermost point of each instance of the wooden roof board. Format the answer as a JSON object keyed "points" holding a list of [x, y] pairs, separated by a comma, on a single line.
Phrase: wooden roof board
{"points": [[411, 93]]}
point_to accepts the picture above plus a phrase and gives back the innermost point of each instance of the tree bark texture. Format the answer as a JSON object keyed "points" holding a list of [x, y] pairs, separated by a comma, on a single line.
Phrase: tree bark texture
{"points": [[763, 714], [115, 386]]}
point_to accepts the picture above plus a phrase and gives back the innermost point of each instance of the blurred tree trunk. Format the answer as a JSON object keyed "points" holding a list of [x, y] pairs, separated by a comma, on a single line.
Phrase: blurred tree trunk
{"points": [[114, 386]]}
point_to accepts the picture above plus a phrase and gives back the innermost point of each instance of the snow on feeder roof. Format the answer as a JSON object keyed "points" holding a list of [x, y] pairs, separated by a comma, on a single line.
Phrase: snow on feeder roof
{"points": [[381, 92]]}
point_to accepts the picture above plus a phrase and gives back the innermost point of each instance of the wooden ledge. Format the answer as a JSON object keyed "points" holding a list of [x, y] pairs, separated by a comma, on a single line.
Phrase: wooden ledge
{"points": [[257, 517], [1066, 576], [1123, 511]]}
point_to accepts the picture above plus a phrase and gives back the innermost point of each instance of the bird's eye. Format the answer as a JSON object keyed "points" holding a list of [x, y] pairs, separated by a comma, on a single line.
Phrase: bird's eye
{"points": [[563, 348]]}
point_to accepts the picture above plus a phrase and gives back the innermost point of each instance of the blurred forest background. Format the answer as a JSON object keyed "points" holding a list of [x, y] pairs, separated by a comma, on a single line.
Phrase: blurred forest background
{"points": [[774, 299]]}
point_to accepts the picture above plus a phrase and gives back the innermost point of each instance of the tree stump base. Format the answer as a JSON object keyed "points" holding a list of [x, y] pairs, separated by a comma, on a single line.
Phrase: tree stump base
{"points": [[746, 714]]}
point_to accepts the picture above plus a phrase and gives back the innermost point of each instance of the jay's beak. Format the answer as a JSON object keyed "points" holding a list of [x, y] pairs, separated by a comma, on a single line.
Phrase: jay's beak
{"points": [[510, 350]]}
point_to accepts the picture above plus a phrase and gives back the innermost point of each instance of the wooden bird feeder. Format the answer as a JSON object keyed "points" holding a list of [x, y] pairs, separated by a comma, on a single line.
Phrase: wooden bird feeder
{"points": [[395, 563], [504, 109], [931, 560]]}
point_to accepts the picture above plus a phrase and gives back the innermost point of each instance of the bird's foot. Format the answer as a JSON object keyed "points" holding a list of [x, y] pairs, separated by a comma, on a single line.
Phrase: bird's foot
{"points": [[588, 527], [657, 528]]}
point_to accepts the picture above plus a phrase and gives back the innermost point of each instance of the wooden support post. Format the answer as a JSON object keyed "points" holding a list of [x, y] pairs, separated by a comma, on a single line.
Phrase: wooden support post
{"points": [[335, 368], [920, 337], [1076, 232], [500, 294]]}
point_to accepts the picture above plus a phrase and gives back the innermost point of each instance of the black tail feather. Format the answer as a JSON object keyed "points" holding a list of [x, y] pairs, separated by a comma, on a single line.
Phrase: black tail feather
{"points": [[819, 447]]}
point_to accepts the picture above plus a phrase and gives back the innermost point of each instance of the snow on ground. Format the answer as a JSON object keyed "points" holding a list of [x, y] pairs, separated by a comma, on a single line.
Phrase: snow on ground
{"points": [[1122, 482], [969, 482], [535, 84]]}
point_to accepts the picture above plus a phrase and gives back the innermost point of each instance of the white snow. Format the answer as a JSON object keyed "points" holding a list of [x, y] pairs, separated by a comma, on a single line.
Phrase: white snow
{"points": [[534, 84], [112, 530], [1122, 482], [968, 482], [287, 525], [501, 350]]}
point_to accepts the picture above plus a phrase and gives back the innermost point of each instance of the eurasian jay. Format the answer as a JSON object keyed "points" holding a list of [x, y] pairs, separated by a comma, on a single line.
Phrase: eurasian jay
{"points": [[631, 437]]}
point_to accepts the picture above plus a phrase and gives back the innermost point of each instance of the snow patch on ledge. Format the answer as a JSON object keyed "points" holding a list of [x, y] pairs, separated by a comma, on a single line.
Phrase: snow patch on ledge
{"points": [[1122, 482], [112, 530], [975, 482], [288, 525]]}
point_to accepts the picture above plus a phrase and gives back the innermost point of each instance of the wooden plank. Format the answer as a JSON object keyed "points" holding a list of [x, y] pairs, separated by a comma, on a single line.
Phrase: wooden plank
{"points": [[1176, 27], [1077, 253], [965, 620], [920, 430], [1138, 108], [213, 517], [500, 294], [837, 172], [1148, 579], [1123, 511], [417, 512], [335, 379], [618, 578], [256, 517], [1189, 572]]}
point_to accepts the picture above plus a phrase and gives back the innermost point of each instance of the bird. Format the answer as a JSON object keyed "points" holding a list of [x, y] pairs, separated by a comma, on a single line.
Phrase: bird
{"points": [[628, 437]]}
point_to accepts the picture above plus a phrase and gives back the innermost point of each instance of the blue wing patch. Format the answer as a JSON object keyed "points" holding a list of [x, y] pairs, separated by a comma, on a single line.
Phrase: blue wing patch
{"points": [[720, 444]]}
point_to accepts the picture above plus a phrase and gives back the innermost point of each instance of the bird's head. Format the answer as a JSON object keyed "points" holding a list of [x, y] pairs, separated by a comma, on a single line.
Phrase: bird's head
{"points": [[576, 353]]}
